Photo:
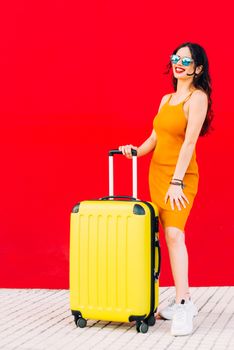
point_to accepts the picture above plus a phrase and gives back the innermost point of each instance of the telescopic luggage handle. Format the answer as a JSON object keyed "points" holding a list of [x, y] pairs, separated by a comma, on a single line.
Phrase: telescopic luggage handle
{"points": [[111, 172]]}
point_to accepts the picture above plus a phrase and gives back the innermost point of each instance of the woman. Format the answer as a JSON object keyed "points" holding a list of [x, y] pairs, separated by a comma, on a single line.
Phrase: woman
{"points": [[173, 175]]}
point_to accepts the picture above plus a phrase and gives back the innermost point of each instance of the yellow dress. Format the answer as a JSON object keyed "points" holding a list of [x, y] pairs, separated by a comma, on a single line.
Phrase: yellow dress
{"points": [[170, 126]]}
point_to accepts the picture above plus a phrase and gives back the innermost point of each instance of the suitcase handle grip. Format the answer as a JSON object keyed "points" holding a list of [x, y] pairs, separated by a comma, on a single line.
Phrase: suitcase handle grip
{"points": [[116, 151], [111, 172], [115, 197]]}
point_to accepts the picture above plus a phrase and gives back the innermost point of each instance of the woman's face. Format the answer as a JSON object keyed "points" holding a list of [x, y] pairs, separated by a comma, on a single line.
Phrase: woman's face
{"points": [[179, 70]]}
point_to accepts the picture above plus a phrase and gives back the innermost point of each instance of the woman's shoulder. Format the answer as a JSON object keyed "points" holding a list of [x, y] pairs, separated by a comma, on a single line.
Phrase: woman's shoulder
{"points": [[199, 95], [197, 103], [164, 99]]}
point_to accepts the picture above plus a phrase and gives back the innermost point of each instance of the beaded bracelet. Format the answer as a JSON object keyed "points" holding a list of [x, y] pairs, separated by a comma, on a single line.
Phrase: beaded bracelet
{"points": [[178, 183]]}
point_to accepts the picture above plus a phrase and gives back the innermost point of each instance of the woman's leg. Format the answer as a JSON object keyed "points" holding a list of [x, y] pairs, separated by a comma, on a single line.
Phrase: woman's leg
{"points": [[179, 261]]}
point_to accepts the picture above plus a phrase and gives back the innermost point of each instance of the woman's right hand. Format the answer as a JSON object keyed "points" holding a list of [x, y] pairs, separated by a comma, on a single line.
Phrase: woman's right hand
{"points": [[126, 150]]}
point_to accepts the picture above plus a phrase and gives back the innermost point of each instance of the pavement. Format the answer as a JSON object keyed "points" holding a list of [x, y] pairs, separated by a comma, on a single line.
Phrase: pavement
{"points": [[40, 319]]}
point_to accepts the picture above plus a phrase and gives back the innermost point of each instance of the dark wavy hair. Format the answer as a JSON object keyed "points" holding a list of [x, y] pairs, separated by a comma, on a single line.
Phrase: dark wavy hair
{"points": [[201, 81]]}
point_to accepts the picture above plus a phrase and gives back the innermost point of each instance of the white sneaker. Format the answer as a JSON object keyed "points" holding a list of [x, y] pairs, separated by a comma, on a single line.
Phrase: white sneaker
{"points": [[182, 321], [168, 311]]}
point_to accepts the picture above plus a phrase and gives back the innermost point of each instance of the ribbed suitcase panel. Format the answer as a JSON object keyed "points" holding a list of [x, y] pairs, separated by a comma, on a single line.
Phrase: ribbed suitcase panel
{"points": [[110, 261]]}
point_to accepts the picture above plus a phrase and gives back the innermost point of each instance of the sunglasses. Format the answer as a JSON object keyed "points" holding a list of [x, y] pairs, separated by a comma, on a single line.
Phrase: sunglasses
{"points": [[186, 61]]}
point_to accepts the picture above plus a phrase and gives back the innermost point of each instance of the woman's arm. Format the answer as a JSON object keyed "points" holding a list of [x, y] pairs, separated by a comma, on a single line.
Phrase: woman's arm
{"points": [[149, 144], [197, 113], [143, 149]]}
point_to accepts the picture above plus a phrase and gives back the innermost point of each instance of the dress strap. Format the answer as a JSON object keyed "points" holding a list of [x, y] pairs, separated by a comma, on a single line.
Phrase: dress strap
{"points": [[187, 98], [169, 98]]}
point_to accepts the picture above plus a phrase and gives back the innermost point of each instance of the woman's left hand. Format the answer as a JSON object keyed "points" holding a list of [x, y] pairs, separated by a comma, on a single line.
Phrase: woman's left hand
{"points": [[175, 193]]}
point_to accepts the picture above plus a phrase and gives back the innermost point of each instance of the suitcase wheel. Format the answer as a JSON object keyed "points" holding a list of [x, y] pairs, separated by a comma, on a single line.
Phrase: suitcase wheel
{"points": [[80, 322], [151, 320], [142, 327]]}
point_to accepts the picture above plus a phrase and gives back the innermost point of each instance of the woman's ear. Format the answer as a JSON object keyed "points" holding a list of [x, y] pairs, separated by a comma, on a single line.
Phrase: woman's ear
{"points": [[199, 70]]}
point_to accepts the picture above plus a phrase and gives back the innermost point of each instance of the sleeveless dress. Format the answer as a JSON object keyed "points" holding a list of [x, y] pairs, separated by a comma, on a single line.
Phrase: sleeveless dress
{"points": [[170, 126]]}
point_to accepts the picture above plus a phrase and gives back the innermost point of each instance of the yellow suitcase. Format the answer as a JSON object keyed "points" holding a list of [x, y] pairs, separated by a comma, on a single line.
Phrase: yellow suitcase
{"points": [[115, 259]]}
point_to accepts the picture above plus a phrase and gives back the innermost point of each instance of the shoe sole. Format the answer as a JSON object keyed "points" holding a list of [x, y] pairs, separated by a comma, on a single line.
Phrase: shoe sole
{"points": [[179, 334], [166, 318]]}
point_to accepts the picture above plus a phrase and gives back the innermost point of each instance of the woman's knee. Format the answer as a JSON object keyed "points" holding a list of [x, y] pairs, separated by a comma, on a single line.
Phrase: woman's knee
{"points": [[174, 235]]}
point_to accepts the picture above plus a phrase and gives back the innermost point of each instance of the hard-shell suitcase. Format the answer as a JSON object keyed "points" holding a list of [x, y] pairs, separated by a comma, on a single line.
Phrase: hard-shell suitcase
{"points": [[115, 258]]}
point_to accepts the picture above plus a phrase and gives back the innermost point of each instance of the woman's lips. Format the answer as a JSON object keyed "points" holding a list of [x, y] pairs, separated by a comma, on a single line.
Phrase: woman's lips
{"points": [[179, 70]]}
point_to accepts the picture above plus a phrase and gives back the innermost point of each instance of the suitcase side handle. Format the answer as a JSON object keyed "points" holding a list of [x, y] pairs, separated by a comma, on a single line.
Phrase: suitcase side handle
{"points": [[157, 273], [111, 172]]}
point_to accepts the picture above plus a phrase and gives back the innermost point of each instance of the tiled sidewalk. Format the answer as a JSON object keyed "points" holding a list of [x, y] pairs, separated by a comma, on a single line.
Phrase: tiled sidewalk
{"points": [[32, 319]]}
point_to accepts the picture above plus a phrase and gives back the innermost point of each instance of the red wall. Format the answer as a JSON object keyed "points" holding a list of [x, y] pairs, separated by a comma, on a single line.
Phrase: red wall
{"points": [[78, 78]]}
